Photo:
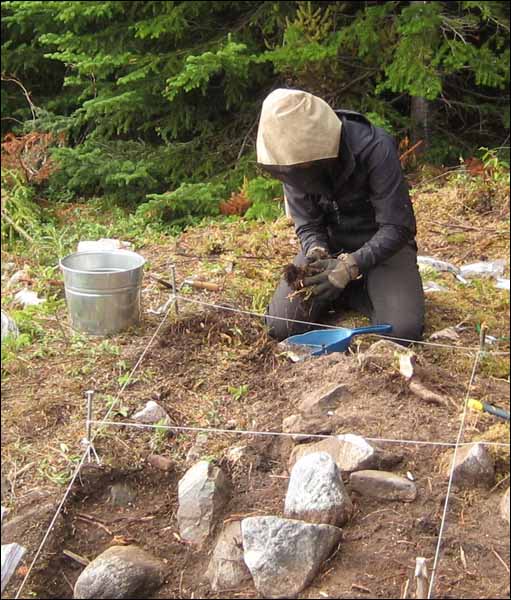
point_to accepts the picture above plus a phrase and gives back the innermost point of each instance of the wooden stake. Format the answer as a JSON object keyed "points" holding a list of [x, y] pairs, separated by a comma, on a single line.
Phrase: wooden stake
{"points": [[421, 578]]}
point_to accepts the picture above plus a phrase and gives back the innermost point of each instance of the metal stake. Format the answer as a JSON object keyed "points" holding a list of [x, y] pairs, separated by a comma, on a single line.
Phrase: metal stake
{"points": [[174, 286], [89, 394]]}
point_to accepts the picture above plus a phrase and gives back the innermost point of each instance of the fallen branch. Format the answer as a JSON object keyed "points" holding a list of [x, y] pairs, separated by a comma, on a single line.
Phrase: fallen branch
{"points": [[81, 560], [422, 392], [91, 520], [21, 231]]}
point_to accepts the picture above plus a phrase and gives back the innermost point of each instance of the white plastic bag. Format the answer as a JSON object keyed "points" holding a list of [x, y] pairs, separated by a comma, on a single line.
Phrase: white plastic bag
{"points": [[428, 262], [430, 287], [484, 269], [103, 245], [28, 298], [502, 284], [9, 327]]}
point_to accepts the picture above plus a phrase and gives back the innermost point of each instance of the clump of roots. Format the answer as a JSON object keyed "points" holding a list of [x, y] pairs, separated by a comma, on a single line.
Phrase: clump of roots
{"points": [[295, 276]]}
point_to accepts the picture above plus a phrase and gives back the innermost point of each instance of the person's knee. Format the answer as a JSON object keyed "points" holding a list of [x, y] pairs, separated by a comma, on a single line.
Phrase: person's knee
{"points": [[277, 328], [281, 328], [407, 330]]}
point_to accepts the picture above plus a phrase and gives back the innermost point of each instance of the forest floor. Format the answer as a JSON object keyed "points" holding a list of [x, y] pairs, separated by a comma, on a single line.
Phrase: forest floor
{"points": [[210, 368]]}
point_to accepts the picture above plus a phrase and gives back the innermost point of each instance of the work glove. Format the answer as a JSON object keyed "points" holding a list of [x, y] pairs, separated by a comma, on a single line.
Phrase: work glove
{"points": [[334, 276], [316, 253]]}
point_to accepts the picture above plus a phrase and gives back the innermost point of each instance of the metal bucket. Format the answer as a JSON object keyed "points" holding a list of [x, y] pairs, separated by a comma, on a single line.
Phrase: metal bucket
{"points": [[103, 290]]}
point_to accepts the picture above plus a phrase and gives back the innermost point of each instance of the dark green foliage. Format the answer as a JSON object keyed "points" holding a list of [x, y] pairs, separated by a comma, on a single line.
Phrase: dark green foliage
{"points": [[181, 206], [154, 95], [266, 196]]}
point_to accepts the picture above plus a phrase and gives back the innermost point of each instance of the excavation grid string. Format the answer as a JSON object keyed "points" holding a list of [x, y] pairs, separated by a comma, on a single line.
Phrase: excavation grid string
{"points": [[451, 476], [90, 445], [326, 326], [53, 521], [316, 436], [105, 423]]}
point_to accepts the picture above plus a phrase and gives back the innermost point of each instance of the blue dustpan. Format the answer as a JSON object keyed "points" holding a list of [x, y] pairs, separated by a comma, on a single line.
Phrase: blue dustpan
{"points": [[325, 341]]}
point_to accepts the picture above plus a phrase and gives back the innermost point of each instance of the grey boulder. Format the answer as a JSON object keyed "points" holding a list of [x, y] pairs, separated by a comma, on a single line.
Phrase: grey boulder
{"points": [[383, 485], [120, 572], [227, 569], [474, 467], [203, 492], [152, 414], [350, 452], [284, 555], [324, 400], [316, 493]]}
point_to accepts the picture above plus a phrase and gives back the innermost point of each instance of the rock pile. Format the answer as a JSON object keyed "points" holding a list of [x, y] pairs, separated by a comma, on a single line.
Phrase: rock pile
{"points": [[281, 555]]}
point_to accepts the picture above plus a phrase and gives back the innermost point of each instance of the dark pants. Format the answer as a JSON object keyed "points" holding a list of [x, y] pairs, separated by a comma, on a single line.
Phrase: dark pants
{"points": [[390, 293]]}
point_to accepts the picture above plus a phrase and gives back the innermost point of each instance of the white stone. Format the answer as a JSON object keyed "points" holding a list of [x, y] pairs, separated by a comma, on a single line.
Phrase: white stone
{"points": [[151, 414], [284, 555], [350, 452], [316, 493]]}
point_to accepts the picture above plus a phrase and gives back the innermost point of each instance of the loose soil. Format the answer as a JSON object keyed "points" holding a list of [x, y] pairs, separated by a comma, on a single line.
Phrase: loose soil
{"points": [[380, 543]]}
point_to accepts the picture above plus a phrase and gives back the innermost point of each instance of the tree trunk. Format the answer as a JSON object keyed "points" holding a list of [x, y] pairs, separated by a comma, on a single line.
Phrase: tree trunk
{"points": [[420, 115]]}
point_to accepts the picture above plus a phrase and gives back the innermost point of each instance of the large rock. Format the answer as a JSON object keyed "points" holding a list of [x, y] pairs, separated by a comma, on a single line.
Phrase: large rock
{"points": [[384, 486], [203, 492], [160, 462], [311, 425], [227, 569], [151, 414], [198, 450], [316, 492], [350, 452], [474, 466], [504, 506], [120, 572], [283, 555], [322, 401], [121, 494]]}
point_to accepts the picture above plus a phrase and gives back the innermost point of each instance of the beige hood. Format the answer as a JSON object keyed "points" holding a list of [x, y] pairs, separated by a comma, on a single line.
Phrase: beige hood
{"points": [[296, 127]]}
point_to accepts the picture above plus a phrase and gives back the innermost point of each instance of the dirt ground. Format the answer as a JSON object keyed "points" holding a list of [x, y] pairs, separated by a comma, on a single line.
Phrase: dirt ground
{"points": [[380, 544], [215, 369]]}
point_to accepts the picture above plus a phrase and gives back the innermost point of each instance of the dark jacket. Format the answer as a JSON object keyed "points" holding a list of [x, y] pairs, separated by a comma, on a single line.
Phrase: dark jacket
{"points": [[369, 212]]}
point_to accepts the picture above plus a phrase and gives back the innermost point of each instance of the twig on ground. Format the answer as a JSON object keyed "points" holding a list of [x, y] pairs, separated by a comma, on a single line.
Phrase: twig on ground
{"points": [[93, 521], [500, 559], [361, 588], [499, 483], [422, 392], [81, 560]]}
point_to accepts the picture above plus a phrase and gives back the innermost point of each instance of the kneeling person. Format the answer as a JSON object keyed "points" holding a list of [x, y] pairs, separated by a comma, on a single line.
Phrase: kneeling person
{"points": [[352, 212]]}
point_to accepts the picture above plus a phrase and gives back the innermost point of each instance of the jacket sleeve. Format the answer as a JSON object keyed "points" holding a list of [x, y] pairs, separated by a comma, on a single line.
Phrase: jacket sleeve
{"points": [[307, 217], [392, 206]]}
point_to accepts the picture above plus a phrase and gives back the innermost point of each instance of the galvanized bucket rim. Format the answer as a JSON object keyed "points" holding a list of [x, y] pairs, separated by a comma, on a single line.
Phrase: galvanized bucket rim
{"points": [[111, 252]]}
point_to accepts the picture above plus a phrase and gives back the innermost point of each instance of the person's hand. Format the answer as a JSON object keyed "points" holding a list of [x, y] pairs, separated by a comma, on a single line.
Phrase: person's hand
{"points": [[316, 253], [334, 276]]}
